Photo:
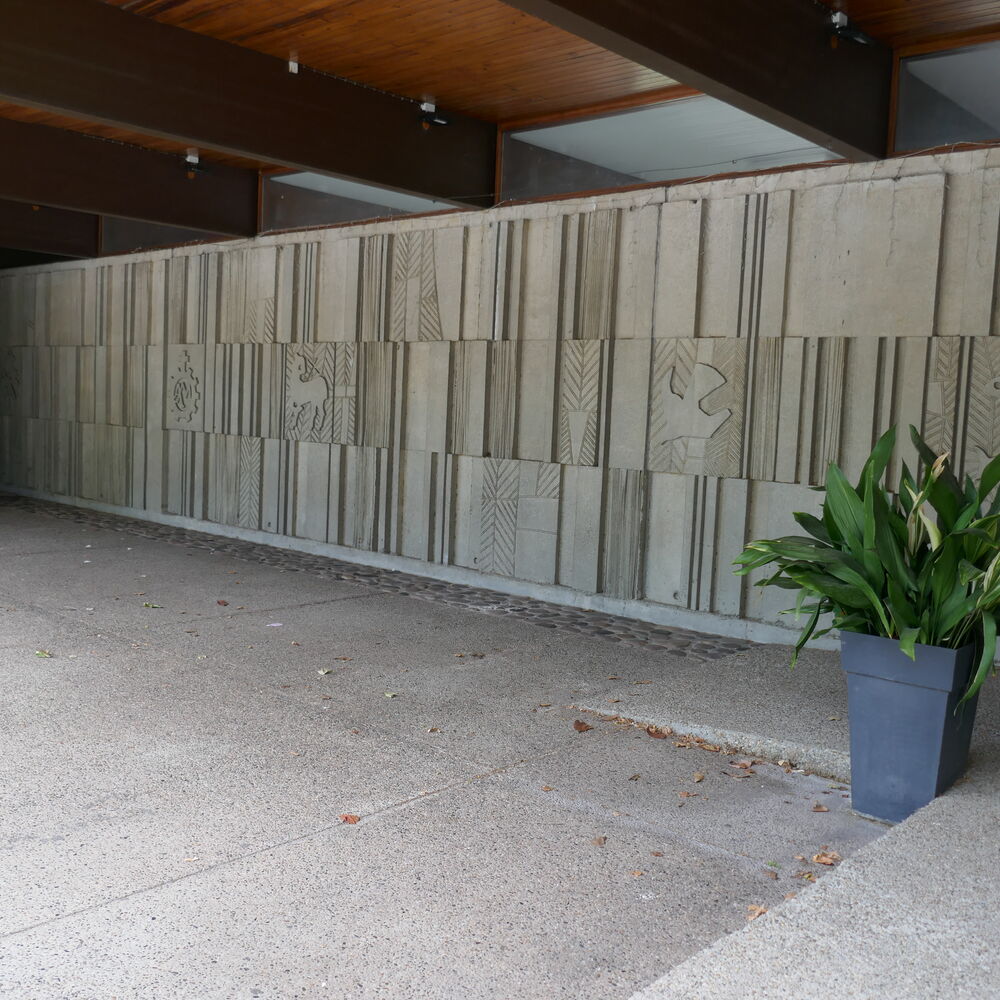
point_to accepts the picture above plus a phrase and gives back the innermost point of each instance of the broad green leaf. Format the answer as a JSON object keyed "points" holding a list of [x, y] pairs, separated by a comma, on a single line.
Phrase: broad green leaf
{"points": [[908, 640], [985, 665]]}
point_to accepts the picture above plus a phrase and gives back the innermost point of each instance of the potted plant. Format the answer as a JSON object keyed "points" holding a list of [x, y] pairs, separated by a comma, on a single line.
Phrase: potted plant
{"points": [[911, 578]]}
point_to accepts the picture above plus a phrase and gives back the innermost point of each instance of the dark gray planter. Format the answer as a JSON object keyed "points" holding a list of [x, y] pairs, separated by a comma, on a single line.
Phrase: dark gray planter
{"points": [[908, 744]]}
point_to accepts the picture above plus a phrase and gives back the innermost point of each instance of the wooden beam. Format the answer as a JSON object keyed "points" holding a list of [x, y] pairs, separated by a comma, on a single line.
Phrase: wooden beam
{"points": [[48, 230], [775, 59], [63, 169], [95, 61]]}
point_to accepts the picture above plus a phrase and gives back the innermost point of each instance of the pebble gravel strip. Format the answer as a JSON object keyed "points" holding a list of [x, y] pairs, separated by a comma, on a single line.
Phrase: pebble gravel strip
{"points": [[611, 628]]}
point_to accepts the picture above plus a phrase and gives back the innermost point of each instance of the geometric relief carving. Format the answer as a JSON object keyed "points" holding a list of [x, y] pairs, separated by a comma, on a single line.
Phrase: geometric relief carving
{"points": [[982, 426], [536, 549], [345, 393], [413, 296], [184, 392], [579, 401], [687, 408], [941, 408], [501, 487], [519, 519], [309, 393]]}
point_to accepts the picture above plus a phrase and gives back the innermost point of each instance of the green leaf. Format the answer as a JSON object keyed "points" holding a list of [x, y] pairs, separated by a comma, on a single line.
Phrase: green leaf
{"points": [[989, 479], [879, 458], [813, 525], [846, 509], [908, 640], [985, 665]]}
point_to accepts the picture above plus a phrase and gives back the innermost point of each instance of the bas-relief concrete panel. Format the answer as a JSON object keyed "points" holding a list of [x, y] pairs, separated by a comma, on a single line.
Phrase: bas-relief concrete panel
{"points": [[610, 397]]}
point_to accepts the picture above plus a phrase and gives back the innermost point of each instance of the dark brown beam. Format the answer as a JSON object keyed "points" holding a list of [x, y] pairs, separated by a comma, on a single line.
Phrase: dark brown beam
{"points": [[52, 166], [771, 58], [48, 230], [91, 60]]}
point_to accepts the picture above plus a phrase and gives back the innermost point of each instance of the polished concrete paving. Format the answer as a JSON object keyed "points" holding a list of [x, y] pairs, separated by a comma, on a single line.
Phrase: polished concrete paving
{"points": [[175, 771]]}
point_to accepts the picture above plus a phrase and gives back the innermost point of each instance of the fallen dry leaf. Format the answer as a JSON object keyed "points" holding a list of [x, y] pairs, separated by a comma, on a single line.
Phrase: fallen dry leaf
{"points": [[547, 788], [827, 858], [614, 678], [698, 776], [545, 704], [806, 876], [434, 729], [657, 854], [224, 604], [581, 727], [687, 795], [744, 764], [753, 912], [817, 808], [613, 701], [638, 873], [800, 857], [343, 657], [642, 682], [771, 873], [635, 777], [656, 733], [599, 841], [349, 818], [789, 895]]}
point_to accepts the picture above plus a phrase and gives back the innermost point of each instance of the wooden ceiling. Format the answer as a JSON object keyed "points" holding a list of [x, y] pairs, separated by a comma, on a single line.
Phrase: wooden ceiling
{"points": [[477, 57], [900, 23]]}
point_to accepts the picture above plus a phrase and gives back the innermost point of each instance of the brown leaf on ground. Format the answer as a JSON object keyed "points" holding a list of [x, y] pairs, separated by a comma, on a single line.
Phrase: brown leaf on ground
{"points": [[547, 788], [545, 704], [635, 777], [343, 657], [581, 727], [614, 677], [770, 873], [688, 795], [350, 819], [599, 841], [698, 776], [655, 733], [789, 895], [753, 912], [744, 764], [637, 873], [657, 854], [806, 876], [224, 604], [742, 774], [434, 729], [817, 808], [800, 857], [642, 682], [827, 858]]}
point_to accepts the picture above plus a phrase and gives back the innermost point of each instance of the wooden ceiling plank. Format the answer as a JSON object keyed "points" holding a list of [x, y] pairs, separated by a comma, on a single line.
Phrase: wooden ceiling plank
{"points": [[774, 60], [479, 58], [92, 60]]}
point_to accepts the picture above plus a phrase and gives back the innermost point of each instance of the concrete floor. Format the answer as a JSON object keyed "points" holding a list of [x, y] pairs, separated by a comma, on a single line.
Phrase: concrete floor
{"points": [[173, 775]]}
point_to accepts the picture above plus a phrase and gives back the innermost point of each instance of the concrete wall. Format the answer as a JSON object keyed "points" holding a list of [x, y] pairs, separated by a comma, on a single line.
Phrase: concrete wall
{"points": [[607, 396]]}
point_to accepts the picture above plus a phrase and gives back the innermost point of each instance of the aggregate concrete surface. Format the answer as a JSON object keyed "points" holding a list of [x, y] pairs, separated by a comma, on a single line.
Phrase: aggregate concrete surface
{"points": [[176, 772]]}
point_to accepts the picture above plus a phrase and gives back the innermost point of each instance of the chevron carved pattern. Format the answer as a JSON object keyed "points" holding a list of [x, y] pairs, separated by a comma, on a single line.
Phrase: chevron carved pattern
{"points": [[501, 481], [579, 402]]}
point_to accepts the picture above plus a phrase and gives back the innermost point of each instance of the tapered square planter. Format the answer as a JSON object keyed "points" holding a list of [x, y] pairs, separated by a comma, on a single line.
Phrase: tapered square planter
{"points": [[908, 743]]}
